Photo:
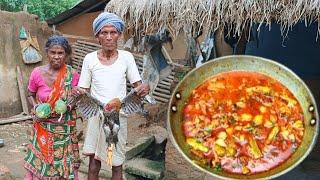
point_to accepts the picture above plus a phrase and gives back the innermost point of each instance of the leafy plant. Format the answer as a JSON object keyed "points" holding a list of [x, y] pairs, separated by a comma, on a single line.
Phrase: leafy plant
{"points": [[45, 9], [12, 5], [180, 75]]}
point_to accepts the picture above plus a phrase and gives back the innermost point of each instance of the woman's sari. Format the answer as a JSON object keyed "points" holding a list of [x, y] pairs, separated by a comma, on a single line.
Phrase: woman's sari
{"points": [[53, 151]]}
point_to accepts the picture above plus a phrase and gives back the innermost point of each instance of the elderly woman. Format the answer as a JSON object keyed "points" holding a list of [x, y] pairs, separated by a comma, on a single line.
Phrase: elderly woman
{"points": [[53, 149]]}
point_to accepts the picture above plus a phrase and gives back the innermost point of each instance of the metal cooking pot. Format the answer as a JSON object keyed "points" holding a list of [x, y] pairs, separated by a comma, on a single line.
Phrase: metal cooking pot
{"points": [[248, 63]]}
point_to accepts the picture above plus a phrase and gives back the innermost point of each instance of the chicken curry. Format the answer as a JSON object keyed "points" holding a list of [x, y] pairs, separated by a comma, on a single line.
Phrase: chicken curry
{"points": [[242, 122]]}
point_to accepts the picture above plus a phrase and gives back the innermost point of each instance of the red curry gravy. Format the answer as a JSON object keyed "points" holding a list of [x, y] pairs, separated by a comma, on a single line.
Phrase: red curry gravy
{"points": [[242, 122]]}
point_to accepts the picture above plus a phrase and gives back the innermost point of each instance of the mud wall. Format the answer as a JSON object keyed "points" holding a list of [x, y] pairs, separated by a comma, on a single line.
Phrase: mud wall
{"points": [[78, 27], [11, 57]]}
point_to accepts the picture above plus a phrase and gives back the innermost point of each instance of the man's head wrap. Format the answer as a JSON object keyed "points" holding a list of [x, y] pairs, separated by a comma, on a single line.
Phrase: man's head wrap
{"points": [[58, 40], [106, 18]]}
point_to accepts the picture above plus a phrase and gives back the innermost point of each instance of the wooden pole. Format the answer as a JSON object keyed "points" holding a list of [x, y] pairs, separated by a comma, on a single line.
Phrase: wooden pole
{"points": [[21, 92], [14, 119], [166, 54], [170, 61]]}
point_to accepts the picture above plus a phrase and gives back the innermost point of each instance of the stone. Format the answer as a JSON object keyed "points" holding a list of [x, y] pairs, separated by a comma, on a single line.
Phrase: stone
{"points": [[145, 168], [1, 142], [159, 133], [156, 151], [139, 146], [128, 176]]}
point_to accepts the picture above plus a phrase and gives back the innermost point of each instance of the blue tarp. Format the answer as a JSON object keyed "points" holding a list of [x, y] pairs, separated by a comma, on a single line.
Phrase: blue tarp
{"points": [[299, 50]]}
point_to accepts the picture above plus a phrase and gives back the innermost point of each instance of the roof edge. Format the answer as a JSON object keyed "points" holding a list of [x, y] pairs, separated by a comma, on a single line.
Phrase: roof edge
{"points": [[80, 8]]}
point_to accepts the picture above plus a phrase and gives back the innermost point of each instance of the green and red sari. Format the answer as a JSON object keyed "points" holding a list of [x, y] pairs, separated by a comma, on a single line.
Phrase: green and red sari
{"points": [[53, 151]]}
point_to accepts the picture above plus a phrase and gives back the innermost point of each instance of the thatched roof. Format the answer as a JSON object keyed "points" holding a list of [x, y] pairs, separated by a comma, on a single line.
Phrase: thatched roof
{"points": [[148, 16]]}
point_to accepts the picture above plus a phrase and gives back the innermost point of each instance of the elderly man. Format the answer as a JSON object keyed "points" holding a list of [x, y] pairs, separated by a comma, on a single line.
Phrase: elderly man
{"points": [[104, 73]]}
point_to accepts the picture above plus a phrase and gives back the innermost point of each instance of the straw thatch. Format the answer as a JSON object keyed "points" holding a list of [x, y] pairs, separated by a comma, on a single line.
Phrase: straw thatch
{"points": [[148, 16]]}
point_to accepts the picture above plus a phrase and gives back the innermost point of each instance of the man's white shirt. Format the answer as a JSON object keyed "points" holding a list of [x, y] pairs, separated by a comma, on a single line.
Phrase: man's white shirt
{"points": [[108, 81]]}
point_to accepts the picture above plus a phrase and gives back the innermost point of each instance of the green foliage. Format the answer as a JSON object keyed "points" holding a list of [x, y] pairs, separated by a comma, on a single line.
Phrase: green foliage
{"points": [[180, 75], [12, 5], [45, 9]]}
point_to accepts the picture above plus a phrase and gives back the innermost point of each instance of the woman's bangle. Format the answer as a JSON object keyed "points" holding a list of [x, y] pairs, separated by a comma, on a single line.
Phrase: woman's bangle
{"points": [[69, 107], [35, 106]]}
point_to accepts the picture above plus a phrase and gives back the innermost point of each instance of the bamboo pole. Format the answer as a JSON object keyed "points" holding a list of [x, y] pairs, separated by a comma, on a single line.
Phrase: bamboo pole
{"points": [[14, 119], [21, 92]]}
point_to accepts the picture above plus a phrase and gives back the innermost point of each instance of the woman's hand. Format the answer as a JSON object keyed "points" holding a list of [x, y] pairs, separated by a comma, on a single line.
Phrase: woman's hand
{"points": [[35, 117], [33, 110], [142, 89], [76, 91]]}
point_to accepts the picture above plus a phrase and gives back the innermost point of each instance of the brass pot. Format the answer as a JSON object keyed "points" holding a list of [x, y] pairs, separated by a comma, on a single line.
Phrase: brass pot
{"points": [[271, 68]]}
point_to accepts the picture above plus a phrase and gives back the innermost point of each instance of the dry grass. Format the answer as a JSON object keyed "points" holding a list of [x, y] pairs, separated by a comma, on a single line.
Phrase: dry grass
{"points": [[149, 16]]}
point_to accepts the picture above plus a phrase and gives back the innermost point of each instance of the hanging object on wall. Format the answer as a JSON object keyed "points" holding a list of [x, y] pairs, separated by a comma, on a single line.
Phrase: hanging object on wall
{"points": [[29, 47], [23, 33]]}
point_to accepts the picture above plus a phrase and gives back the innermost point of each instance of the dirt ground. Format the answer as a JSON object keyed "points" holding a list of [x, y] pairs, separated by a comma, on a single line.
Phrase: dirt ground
{"points": [[16, 139], [12, 154]]}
